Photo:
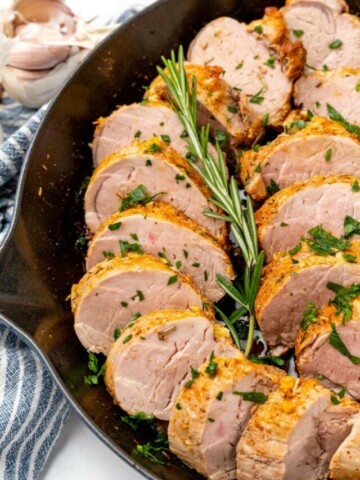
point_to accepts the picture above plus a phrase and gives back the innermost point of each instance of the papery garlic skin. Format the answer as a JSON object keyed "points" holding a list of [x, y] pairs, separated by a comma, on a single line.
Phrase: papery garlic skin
{"points": [[49, 42]]}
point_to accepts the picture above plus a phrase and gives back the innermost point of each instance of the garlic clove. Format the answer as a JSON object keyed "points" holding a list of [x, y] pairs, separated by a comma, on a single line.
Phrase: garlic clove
{"points": [[34, 92], [37, 56]]}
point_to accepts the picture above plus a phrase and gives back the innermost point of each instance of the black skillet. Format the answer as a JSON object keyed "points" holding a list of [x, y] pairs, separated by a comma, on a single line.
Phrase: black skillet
{"points": [[40, 259]]}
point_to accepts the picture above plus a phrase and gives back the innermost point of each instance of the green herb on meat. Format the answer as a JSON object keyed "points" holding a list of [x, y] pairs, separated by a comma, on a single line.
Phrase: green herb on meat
{"points": [[343, 297], [337, 117], [126, 247], [272, 188], [154, 451], [328, 155], [117, 333], [114, 226], [212, 366], [339, 345], [298, 33], [256, 397], [309, 316], [351, 226], [323, 243], [356, 186], [94, 367], [335, 44], [268, 360], [194, 375], [137, 197], [257, 98], [166, 139], [172, 280]]}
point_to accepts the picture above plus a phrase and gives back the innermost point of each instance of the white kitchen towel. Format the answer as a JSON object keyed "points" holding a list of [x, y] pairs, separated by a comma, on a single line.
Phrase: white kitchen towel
{"points": [[32, 410]]}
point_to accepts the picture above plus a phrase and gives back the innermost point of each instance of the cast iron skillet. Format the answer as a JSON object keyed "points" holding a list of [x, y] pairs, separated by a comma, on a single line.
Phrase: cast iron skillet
{"points": [[40, 259]]}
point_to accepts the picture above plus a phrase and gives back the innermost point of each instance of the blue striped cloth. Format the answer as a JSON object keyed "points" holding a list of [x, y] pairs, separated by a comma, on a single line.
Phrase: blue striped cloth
{"points": [[32, 411]]}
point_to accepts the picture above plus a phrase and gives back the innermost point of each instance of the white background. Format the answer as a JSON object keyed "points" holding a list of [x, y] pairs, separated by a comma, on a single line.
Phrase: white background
{"points": [[79, 454]]}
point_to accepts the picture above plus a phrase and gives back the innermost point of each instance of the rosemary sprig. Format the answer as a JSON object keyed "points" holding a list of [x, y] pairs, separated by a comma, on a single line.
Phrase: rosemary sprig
{"points": [[225, 193]]}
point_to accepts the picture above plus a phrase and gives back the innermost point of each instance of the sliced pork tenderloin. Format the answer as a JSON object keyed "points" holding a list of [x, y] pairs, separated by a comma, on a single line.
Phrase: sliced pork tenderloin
{"points": [[331, 38], [158, 168], [319, 91], [288, 215], [294, 434], [258, 59], [211, 413], [137, 121], [118, 290], [317, 358], [322, 147], [219, 105], [339, 6], [150, 361], [162, 231], [345, 464], [290, 282]]}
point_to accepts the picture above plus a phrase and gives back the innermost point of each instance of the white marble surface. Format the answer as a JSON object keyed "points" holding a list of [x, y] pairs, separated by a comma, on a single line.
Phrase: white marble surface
{"points": [[79, 454]]}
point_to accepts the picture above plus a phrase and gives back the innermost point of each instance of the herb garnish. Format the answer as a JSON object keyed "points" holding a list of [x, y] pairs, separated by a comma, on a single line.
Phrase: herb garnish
{"points": [[136, 419], [212, 366], [219, 396], [258, 29], [194, 376], [343, 297], [272, 188], [337, 117], [93, 366], [128, 338], [232, 109], [268, 360], [257, 98], [126, 247], [339, 345], [265, 120], [324, 243], [299, 125], [309, 317], [166, 139], [108, 254], [335, 44], [256, 397], [336, 398], [351, 226], [154, 451], [356, 186], [225, 192], [172, 280], [296, 249], [298, 33], [137, 197], [114, 226], [117, 333], [328, 155], [148, 163], [270, 62]]}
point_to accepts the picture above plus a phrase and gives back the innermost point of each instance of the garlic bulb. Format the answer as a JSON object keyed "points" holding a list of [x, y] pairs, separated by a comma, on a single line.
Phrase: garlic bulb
{"points": [[47, 43]]}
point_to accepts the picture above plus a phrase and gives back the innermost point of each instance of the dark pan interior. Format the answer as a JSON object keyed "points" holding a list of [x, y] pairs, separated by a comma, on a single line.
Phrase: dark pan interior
{"points": [[42, 258]]}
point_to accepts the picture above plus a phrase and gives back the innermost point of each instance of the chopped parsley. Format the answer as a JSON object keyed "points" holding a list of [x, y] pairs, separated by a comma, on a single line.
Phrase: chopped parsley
{"points": [[97, 371], [139, 295], [328, 155], [124, 304], [166, 139], [309, 317], [258, 168], [219, 396], [357, 88], [339, 345], [206, 276], [265, 120], [154, 451], [108, 254], [299, 125], [335, 44], [134, 236], [232, 109], [337, 117], [114, 226], [137, 134], [179, 178], [221, 138], [270, 62], [178, 406], [296, 249], [212, 366], [324, 243], [164, 256], [239, 65], [272, 188], [128, 338], [172, 280], [268, 360], [137, 197], [178, 264], [256, 147], [136, 419], [298, 33], [154, 147], [351, 226], [258, 29], [256, 397], [284, 224], [343, 297], [117, 333], [148, 163], [186, 253], [257, 98], [126, 247], [355, 186], [194, 376], [349, 258], [196, 264]]}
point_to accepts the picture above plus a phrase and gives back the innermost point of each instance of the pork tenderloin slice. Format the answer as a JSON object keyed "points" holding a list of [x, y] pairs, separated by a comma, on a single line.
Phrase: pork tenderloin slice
{"points": [[208, 419], [323, 147], [258, 60], [316, 357], [165, 232], [219, 105], [163, 170], [345, 464], [291, 213], [118, 290], [150, 362], [339, 6], [286, 289], [137, 121], [322, 24], [337, 88], [294, 434]]}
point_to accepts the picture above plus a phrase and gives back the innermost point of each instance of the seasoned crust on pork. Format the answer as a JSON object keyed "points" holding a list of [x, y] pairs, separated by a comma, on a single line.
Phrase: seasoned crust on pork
{"points": [[299, 155]]}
